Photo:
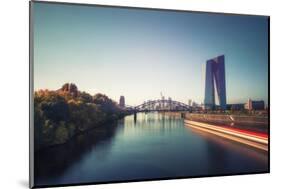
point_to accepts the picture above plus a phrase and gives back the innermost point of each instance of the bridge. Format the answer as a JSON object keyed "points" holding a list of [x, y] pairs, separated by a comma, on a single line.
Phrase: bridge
{"points": [[159, 105]]}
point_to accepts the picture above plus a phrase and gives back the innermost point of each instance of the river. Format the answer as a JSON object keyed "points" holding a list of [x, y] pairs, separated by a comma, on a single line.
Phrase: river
{"points": [[152, 146]]}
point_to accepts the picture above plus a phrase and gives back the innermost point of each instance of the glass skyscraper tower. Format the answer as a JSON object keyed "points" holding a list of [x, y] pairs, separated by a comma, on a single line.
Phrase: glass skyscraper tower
{"points": [[215, 77]]}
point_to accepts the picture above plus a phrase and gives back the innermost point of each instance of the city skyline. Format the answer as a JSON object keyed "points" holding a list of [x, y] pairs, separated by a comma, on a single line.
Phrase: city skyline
{"points": [[141, 53]]}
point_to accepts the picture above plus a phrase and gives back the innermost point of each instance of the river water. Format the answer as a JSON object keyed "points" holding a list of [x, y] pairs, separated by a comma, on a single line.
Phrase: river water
{"points": [[152, 146]]}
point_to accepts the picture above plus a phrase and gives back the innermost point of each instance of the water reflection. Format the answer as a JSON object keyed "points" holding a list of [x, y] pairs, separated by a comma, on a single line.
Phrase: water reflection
{"points": [[54, 161]]}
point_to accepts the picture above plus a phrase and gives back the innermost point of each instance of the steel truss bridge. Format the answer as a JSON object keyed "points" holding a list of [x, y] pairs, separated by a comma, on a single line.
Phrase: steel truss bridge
{"points": [[160, 105]]}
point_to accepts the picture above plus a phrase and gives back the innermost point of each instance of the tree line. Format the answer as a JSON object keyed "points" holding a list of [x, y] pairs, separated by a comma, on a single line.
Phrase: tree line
{"points": [[61, 114]]}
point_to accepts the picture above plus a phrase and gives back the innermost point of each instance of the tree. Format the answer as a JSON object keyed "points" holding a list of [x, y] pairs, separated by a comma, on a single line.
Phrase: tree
{"points": [[85, 98], [55, 108], [64, 113], [61, 134]]}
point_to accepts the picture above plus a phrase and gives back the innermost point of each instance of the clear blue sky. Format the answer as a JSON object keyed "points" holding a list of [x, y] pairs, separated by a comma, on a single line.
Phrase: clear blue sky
{"points": [[140, 53]]}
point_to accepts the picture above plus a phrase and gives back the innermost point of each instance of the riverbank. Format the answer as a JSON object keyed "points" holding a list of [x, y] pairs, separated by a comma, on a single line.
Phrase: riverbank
{"points": [[62, 114], [244, 122], [107, 125], [249, 130]]}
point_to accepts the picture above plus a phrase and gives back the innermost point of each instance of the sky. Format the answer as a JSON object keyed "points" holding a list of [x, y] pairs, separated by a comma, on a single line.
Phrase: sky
{"points": [[142, 53]]}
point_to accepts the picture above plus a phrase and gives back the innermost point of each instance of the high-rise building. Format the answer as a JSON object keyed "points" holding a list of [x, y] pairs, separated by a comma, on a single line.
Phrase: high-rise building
{"points": [[189, 102], [122, 102], [215, 77]]}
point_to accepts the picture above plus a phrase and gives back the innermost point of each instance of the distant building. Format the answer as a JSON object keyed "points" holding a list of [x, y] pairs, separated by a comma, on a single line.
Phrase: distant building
{"points": [[163, 102], [235, 106], [254, 105], [170, 103], [194, 104], [189, 102], [215, 77], [122, 102]]}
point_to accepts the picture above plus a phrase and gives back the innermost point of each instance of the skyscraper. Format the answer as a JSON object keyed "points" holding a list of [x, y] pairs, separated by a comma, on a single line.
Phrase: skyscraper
{"points": [[215, 77], [189, 102], [122, 102]]}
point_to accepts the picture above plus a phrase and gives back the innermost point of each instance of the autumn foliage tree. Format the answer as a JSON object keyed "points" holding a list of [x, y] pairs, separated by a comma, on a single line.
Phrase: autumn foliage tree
{"points": [[64, 113]]}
